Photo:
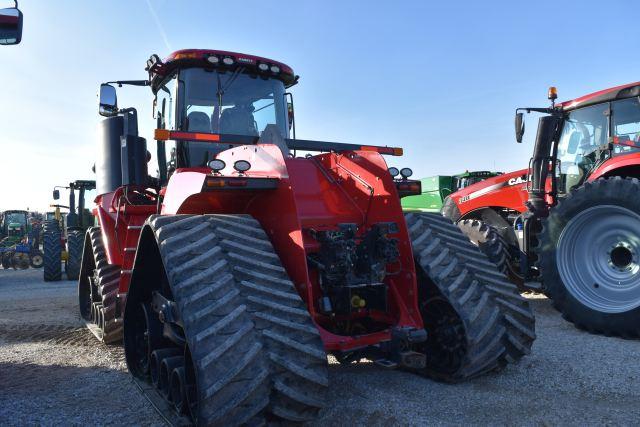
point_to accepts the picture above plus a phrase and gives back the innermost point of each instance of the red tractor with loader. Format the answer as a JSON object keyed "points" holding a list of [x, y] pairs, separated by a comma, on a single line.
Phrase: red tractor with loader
{"points": [[232, 274], [574, 213]]}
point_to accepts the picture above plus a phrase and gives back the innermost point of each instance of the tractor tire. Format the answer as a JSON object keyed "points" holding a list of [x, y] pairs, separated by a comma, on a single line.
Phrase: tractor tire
{"points": [[20, 261], [476, 320], [496, 248], [36, 259], [242, 317], [52, 258], [488, 240], [6, 259], [589, 256], [98, 286], [75, 241]]}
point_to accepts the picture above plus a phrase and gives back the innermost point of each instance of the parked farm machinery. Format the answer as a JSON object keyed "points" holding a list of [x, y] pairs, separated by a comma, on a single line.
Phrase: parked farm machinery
{"points": [[232, 274]]}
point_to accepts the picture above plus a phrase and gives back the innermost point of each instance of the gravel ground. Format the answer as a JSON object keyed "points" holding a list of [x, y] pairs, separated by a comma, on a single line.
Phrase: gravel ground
{"points": [[52, 372]]}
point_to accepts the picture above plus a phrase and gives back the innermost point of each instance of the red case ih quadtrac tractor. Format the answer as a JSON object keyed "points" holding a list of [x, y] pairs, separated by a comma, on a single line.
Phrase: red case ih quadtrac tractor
{"points": [[579, 233], [232, 274]]}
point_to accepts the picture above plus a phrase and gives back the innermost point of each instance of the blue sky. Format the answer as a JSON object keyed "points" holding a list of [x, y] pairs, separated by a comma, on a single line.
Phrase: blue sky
{"points": [[441, 79]]}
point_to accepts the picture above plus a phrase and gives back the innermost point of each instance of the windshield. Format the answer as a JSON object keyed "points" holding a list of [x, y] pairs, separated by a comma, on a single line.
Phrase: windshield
{"points": [[584, 131], [584, 140], [16, 219], [227, 103]]}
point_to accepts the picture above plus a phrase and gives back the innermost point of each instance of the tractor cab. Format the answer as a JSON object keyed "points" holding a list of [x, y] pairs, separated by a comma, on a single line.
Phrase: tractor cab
{"points": [[206, 101], [593, 134], [14, 223], [580, 135], [78, 217]]}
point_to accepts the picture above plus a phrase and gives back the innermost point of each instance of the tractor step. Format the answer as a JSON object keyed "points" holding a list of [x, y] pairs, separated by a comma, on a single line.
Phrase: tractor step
{"points": [[386, 363], [533, 286]]}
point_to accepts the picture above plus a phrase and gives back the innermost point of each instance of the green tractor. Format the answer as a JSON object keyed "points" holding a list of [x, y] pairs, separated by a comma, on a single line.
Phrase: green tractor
{"points": [[436, 188], [19, 242], [63, 234]]}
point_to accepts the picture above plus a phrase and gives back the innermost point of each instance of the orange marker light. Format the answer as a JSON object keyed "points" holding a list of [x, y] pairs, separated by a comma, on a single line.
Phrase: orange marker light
{"points": [[164, 135], [215, 183], [553, 93], [161, 134], [187, 55]]}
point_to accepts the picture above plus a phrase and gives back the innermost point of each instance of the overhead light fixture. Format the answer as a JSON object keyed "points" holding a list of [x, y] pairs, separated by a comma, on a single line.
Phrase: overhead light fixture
{"points": [[263, 67], [242, 166], [217, 165], [406, 172], [275, 69], [228, 60], [213, 59], [394, 171]]}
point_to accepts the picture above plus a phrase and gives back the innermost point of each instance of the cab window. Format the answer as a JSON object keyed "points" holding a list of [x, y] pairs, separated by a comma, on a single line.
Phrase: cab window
{"points": [[625, 125]]}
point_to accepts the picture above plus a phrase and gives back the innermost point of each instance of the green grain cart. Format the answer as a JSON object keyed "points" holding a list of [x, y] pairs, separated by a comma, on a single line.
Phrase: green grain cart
{"points": [[436, 188]]}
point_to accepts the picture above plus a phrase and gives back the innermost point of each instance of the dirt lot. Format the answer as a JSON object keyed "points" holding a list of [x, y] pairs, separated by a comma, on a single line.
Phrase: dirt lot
{"points": [[52, 372]]}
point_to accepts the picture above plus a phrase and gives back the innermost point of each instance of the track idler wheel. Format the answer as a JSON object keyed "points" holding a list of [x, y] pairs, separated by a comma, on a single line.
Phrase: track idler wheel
{"points": [[155, 365], [167, 366], [178, 389]]}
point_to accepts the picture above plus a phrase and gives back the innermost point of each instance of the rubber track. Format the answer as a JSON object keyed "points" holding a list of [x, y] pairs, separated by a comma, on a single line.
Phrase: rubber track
{"points": [[75, 241], [231, 368], [499, 322], [52, 257], [107, 277], [297, 355], [298, 363]]}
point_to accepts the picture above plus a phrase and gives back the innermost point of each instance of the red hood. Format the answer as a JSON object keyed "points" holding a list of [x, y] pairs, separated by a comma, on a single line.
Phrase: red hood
{"points": [[490, 182], [508, 191]]}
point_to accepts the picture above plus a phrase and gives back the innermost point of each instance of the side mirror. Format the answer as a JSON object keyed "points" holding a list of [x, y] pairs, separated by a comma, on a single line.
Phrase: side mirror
{"points": [[519, 126], [290, 114], [108, 101], [10, 26], [56, 194]]}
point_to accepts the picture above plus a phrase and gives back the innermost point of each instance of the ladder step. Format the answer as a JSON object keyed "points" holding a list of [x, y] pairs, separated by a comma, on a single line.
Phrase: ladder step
{"points": [[126, 272], [134, 227], [133, 249]]}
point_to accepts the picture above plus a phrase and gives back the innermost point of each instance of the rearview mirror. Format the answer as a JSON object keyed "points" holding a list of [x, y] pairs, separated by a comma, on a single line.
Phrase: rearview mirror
{"points": [[10, 26], [519, 126], [56, 194], [108, 101]]}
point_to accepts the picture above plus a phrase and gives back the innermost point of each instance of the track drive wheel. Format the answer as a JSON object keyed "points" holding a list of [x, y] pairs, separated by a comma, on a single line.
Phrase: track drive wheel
{"points": [[98, 289], [246, 349], [495, 247], [75, 241], [52, 258], [475, 319], [589, 256]]}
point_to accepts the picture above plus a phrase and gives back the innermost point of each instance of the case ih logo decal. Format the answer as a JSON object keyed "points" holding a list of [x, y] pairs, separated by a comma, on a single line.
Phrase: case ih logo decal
{"points": [[519, 180]]}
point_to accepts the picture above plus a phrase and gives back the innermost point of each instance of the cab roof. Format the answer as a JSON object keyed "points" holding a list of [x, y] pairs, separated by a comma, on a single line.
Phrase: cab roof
{"points": [[618, 92], [159, 69]]}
